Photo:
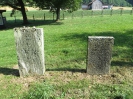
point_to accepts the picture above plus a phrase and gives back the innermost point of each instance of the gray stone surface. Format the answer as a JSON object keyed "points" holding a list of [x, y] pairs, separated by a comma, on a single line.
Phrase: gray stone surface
{"points": [[99, 54], [30, 50]]}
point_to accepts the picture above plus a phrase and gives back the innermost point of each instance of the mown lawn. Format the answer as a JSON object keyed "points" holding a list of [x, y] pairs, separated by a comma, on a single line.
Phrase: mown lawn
{"points": [[65, 57]]}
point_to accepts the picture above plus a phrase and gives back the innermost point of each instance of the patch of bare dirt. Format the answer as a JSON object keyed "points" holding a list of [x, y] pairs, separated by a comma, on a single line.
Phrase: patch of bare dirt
{"points": [[119, 76], [66, 77]]}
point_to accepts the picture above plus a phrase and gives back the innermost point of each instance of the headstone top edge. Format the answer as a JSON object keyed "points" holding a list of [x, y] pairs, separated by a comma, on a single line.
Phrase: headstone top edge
{"points": [[100, 37], [26, 28]]}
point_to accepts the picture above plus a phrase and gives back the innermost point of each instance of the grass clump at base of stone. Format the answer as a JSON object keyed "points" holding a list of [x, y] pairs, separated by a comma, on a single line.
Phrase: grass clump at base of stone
{"points": [[40, 91], [82, 89]]}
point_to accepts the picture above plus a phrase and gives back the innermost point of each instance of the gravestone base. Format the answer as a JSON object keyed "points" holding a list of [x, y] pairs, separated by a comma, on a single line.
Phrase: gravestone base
{"points": [[30, 50], [99, 54]]}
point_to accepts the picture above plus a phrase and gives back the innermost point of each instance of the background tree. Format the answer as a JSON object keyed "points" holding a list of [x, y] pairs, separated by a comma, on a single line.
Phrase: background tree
{"points": [[86, 1], [130, 2], [72, 5], [118, 2], [17, 5], [114, 2]]}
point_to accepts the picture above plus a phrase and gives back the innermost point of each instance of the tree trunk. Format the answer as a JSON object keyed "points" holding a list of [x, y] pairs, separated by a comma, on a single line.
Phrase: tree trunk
{"points": [[58, 13], [25, 20]]}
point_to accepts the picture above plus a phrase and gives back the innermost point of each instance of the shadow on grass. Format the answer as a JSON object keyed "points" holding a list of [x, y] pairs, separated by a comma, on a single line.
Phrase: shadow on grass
{"points": [[67, 69], [121, 63], [123, 45], [121, 39], [9, 71], [12, 24]]}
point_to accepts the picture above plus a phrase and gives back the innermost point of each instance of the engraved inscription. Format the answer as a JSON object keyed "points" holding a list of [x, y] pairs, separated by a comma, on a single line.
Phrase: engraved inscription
{"points": [[99, 54], [30, 51]]}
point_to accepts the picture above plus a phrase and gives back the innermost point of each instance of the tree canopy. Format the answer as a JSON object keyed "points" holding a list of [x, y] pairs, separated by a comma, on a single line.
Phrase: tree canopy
{"points": [[17, 5], [57, 5], [72, 5]]}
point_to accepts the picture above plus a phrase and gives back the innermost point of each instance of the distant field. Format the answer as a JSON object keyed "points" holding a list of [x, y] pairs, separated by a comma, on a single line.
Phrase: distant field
{"points": [[124, 8], [35, 14], [10, 9], [34, 9]]}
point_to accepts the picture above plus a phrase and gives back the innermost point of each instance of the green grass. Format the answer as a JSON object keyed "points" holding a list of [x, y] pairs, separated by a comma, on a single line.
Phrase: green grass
{"points": [[65, 56], [40, 91]]}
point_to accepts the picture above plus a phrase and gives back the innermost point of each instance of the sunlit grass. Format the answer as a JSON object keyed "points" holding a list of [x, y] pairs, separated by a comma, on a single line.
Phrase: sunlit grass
{"points": [[65, 57]]}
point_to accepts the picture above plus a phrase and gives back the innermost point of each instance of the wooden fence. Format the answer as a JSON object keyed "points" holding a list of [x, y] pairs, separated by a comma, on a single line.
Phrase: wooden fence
{"points": [[46, 15]]}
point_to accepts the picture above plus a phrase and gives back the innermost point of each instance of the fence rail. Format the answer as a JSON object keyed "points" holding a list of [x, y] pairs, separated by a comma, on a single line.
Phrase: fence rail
{"points": [[46, 15]]}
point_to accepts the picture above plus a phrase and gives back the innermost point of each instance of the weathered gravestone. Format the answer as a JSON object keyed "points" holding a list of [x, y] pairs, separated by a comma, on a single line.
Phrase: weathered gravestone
{"points": [[99, 54], [30, 50]]}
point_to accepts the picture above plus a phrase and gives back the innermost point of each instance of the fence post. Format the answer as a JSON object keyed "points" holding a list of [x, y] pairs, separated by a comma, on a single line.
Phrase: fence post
{"points": [[121, 10], [82, 15], [92, 13], [102, 12], [111, 12], [30, 50], [44, 16], [131, 11], [63, 15], [72, 15], [99, 54], [15, 18], [33, 17], [53, 15]]}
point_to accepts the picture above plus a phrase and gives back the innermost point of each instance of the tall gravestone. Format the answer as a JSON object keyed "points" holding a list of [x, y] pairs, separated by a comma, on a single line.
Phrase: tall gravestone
{"points": [[30, 50], [99, 54]]}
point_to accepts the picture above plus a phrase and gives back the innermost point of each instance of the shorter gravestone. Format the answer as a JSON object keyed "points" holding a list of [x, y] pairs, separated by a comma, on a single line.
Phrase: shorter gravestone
{"points": [[99, 54], [30, 50]]}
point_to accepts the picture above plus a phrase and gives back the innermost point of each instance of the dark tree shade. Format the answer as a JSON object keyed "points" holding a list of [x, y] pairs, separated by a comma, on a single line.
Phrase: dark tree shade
{"points": [[18, 5]]}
